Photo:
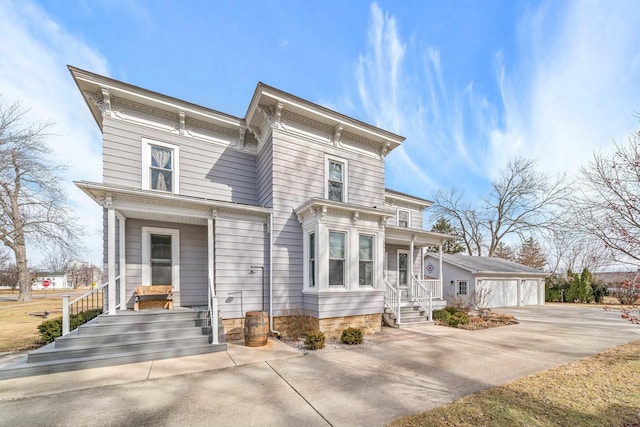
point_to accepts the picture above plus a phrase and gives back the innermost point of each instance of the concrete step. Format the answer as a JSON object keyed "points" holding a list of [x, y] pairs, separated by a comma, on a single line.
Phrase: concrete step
{"points": [[22, 368], [54, 353]]}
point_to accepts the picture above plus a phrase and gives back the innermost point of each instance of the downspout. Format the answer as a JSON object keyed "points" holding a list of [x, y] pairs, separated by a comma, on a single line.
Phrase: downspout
{"points": [[273, 331]]}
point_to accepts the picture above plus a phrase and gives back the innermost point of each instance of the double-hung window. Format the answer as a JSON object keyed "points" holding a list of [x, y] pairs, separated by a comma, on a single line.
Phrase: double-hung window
{"points": [[160, 166], [366, 261], [312, 260], [404, 218], [336, 173], [337, 250]]}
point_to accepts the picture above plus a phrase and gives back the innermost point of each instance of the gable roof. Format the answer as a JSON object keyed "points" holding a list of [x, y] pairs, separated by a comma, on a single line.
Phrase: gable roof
{"points": [[484, 265]]}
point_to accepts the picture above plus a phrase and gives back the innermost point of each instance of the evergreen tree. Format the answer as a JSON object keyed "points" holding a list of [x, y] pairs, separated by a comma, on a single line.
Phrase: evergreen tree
{"points": [[530, 254], [454, 246]]}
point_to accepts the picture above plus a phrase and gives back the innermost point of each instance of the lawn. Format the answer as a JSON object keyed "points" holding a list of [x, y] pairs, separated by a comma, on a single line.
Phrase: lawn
{"points": [[20, 320], [601, 390]]}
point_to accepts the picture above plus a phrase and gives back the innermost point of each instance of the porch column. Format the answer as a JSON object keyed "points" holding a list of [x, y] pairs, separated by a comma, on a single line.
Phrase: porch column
{"points": [[111, 254], [123, 264], [411, 258], [422, 263], [440, 268]]}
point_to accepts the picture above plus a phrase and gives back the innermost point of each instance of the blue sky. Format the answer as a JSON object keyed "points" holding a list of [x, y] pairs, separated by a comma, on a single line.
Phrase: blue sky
{"points": [[470, 84]]}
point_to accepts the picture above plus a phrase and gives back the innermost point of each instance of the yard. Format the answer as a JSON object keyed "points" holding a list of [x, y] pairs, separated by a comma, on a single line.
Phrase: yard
{"points": [[20, 320], [595, 391]]}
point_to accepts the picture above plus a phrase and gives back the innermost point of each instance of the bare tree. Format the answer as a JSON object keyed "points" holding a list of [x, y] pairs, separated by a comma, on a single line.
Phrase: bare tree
{"points": [[609, 205], [57, 262], [530, 254], [571, 249], [521, 201], [33, 205]]}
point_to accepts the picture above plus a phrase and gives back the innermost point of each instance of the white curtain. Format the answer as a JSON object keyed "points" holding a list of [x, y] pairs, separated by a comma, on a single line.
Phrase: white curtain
{"points": [[162, 159]]}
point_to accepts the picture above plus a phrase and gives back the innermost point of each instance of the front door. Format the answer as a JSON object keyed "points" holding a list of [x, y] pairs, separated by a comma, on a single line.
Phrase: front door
{"points": [[403, 268]]}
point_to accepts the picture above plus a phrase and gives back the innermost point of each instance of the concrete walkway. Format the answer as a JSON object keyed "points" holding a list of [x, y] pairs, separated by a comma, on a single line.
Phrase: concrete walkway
{"points": [[399, 373]]}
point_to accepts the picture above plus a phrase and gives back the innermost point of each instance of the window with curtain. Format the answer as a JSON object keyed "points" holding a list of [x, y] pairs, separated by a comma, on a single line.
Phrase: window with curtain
{"points": [[366, 261], [336, 181], [161, 169], [336, 258]]}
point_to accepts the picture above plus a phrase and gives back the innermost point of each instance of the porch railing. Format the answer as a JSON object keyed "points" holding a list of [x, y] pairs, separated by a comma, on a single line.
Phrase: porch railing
{"points": [[434, 286], [392, 299], [94, 299], [422, 295], [213, 313]]}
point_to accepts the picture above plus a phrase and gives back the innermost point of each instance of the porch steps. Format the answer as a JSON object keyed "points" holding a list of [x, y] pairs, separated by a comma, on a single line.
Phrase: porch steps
{"points": [[119, 339], [411, 314]]}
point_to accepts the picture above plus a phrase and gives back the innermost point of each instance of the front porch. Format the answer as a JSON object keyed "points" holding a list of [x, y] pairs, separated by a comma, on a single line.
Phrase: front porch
{"points": [[410, 297]]}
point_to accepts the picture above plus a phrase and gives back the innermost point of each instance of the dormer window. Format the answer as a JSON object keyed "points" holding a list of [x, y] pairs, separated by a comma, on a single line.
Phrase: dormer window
{"points": [[160, 166], [336, 174], [404, 219]]}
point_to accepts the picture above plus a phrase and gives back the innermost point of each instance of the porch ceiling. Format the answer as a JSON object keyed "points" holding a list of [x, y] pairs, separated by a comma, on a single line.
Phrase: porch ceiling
{"points": [[404, 236]]}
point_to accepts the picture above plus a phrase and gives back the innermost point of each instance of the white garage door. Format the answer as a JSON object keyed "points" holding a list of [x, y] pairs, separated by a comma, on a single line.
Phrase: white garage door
{"points": [[504, 293], [529, 292]]}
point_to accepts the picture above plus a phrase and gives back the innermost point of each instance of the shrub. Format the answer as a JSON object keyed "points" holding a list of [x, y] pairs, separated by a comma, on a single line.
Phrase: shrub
{"points": [[314, 340], [459, 318], [52, 329], [442, 315], [351, 336]]}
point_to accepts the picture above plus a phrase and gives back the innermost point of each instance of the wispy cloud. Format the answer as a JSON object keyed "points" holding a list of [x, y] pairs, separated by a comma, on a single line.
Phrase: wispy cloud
{"points": [[567, 90], [33, 70]]}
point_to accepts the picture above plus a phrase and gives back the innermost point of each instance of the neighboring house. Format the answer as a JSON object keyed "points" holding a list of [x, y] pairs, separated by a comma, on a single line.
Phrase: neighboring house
{"points": [[505, 283], [202, 200], [56, 280]]}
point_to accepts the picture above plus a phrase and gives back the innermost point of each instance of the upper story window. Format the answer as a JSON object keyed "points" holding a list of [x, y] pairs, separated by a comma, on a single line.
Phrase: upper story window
{"points": [[336, 174], [404, 218], [160, 166]]}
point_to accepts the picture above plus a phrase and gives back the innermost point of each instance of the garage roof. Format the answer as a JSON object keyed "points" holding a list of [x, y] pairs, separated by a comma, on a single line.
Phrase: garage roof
{"points": [[490, 265]]}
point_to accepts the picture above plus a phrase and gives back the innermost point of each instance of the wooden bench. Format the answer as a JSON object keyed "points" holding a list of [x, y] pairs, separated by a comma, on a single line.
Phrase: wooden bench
{"points": [[159, 296]]}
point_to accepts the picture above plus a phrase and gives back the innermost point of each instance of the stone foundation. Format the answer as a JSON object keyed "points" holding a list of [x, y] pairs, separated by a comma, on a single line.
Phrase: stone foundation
{"points": [[332, 327]]}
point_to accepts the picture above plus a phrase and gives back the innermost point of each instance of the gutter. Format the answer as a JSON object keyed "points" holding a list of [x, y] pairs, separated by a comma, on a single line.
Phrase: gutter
{"points": [[273, 331]]}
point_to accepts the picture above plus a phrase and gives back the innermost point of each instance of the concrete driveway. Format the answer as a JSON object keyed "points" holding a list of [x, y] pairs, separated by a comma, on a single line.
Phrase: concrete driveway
{"points": [[401, 372]]}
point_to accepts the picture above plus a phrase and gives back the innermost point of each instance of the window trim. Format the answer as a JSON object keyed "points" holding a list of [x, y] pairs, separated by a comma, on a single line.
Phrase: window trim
{"points": [[345, 176], [466, 287], [146, 165], [408, 212], [311, 272], [345, 272], [372, 260], [175, 254]]}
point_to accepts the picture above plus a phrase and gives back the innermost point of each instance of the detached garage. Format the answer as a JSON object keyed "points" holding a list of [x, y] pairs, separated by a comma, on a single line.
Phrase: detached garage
{"points": [[507, 283]]}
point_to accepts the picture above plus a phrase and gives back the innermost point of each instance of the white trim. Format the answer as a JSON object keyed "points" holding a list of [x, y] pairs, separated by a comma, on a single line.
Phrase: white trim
{"points": [[175, 254], [345, 176], [409, 269], [408, 212], [374, 263], [146, 164], [458, 281]]}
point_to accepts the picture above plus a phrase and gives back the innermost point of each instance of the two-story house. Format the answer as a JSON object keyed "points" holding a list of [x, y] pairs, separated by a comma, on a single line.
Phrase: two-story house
{"points": [[283, 210]]}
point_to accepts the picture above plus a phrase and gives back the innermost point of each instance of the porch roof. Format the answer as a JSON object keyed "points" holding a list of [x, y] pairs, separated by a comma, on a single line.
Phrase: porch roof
{"points": [[404, 236], [155, 206]]}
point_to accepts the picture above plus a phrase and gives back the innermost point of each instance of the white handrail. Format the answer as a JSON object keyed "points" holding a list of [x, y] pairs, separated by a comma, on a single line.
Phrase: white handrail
{"points": [[420, 294], [392, 299]]}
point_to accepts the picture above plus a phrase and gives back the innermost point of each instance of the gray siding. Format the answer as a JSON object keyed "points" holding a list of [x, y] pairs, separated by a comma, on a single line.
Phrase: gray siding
{"points": [[298, 175], [265, 175], [416, 216], [193, 260], [206, 169], [337, 304], [239, 244]]}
